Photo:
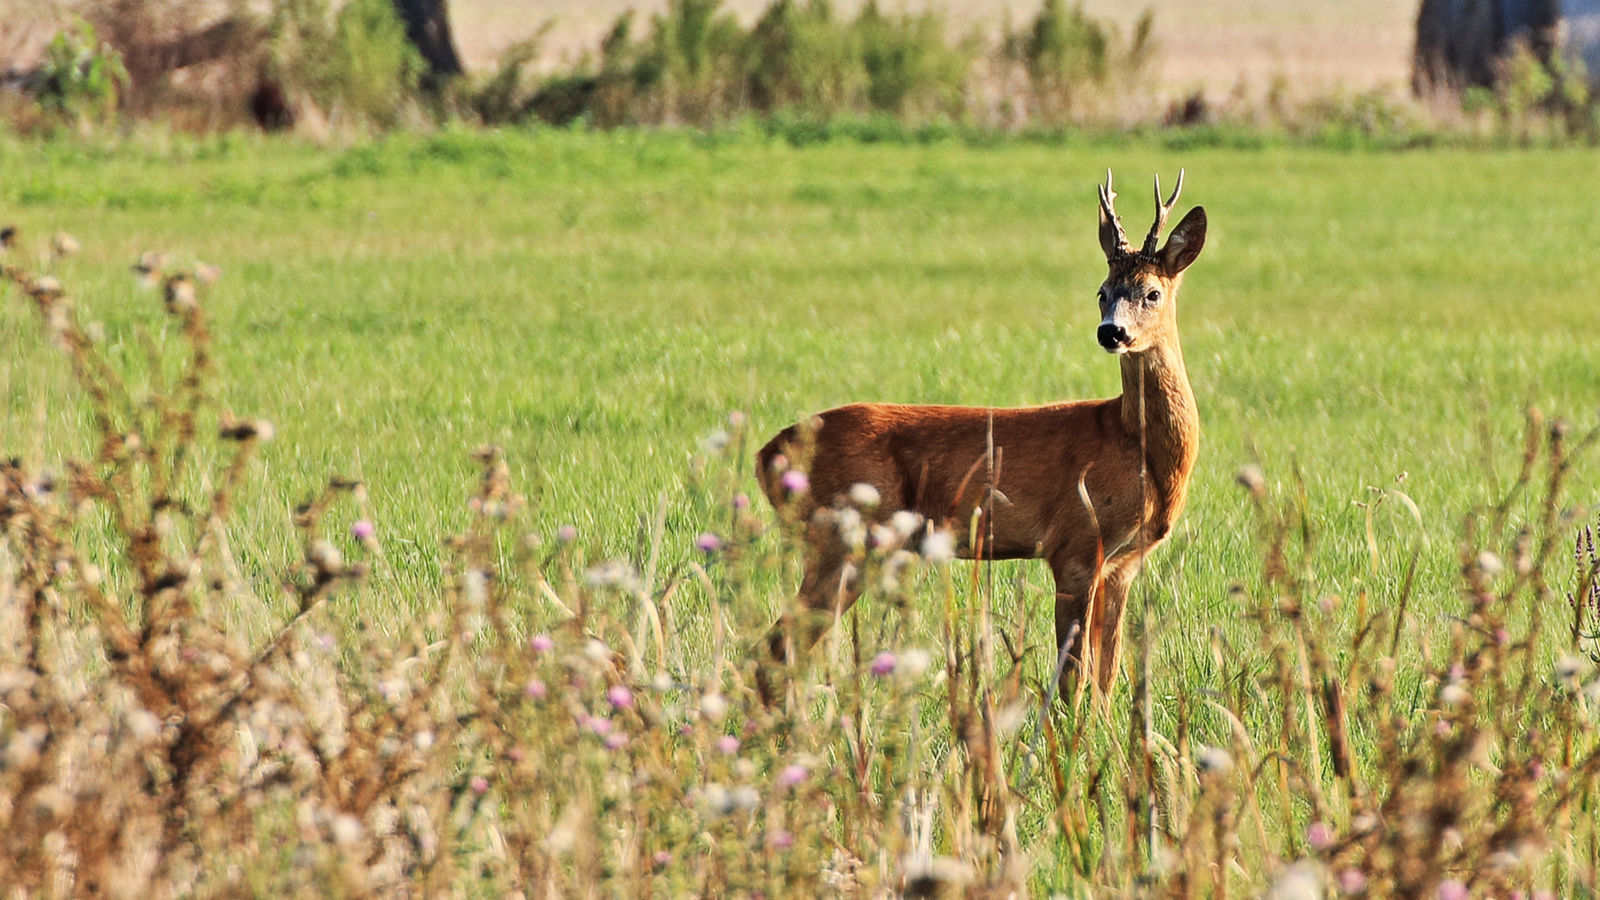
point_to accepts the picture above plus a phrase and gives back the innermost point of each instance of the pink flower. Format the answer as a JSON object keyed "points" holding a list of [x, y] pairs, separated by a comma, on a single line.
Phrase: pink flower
{"points": [[536, 689], [599, 725], [728, 744], [541, 643], [1352, 881], [619, 697], [616, 740], [793, 775], [1451, 889], [566, 534], [781, 839], [796, 482], [479, 784], [516, 754], [741, 500], [363, 529], [708, 542], [883, 664], [1319, 836], [661, 858]]}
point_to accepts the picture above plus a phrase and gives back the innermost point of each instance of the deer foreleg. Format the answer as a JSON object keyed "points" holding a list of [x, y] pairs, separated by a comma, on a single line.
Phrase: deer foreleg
{"points": [[1075, 602], [1110, 613]]}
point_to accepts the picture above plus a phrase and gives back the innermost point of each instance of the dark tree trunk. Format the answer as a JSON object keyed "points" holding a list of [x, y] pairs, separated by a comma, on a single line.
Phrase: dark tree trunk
{"points": [[428, 27], [1458, 42]]}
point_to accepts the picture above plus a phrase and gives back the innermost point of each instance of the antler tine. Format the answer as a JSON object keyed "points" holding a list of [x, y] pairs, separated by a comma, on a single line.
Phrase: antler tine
{"points": [[1162, 211], [1108, 199]]}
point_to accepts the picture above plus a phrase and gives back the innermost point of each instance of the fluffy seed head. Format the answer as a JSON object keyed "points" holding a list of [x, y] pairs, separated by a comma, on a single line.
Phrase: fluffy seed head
{"points": [[939, 547], [864, 495]]}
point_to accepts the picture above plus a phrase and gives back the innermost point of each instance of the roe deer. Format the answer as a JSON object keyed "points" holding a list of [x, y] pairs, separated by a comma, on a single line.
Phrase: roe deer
{"points": [[1089, 486]]}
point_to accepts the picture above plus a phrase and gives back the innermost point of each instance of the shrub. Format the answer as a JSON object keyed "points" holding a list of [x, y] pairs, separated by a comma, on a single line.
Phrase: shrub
{"points": [[80, 78], [357, 64], [1073, 61], [911, 68]]}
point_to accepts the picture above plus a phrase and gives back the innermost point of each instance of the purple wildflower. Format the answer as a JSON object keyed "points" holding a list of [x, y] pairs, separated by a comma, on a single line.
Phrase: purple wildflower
{"points": [[541, 643], [708, 542], [796, 482], [619, 697], [883, 664], [728, 744]]}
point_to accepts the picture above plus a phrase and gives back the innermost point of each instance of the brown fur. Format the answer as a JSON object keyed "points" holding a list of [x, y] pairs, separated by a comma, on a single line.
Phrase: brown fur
{"points": [[934, 460]]}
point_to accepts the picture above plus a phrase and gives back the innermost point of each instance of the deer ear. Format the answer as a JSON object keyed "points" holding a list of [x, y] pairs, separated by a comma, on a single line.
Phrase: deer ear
{"points": [[1183, 247], [1110, 235]]}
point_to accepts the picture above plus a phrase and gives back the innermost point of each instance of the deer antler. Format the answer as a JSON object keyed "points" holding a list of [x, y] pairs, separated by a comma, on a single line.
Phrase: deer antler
{"points": [[1107, 199], [1162, 211]]}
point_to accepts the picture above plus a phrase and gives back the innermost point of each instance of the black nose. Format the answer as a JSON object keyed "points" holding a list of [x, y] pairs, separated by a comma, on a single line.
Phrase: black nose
{"points": [[1112, 336]]}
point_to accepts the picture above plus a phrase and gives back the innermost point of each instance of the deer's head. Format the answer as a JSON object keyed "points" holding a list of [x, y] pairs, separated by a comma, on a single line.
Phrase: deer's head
{"points": [[1137, 306]]}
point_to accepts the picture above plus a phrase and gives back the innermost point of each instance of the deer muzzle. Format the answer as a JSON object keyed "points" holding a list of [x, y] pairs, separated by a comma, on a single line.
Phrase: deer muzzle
{"points": [[1113, 336]]}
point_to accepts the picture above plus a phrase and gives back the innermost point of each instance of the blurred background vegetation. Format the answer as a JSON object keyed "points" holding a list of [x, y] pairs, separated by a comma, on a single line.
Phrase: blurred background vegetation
{"points": [[809, 69]]}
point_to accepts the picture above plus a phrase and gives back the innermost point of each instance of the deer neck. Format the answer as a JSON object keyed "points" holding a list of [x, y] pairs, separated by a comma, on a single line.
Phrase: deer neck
{"points": [[1171, 420]]}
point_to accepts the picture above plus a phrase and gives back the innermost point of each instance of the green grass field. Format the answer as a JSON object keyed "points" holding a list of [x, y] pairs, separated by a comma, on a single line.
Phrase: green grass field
{"points": [[599, 303]]}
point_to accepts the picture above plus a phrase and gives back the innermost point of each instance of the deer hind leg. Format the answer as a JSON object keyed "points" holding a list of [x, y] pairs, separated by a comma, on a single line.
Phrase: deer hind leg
{"points": [[831, 585]]}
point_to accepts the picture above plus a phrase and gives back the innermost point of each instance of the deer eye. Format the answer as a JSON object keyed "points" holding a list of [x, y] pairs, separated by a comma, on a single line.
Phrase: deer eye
{"points": [[1153, 297]]}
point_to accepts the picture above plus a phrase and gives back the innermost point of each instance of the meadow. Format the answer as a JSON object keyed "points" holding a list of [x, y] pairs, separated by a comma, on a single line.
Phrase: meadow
{"points": [[598, 305]]}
